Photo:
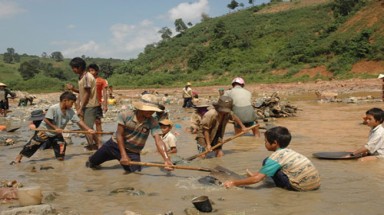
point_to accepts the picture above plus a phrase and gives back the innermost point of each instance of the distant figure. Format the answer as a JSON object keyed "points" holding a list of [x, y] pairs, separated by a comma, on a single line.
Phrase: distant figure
{"points": [[242, 105], [374, 148], [165, 99], [381, 76], [168, 137], [221, 92], [288, 169], [187, 96], [4, 104], [24, 100]]}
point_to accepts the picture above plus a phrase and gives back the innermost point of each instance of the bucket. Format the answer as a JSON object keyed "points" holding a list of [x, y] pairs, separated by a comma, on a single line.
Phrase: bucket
{"points": [[202, 203], [29, 196]]}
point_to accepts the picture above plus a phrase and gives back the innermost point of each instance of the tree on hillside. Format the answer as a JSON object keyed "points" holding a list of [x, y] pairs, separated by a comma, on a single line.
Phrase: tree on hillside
{"points": [[107, 69], [252, 2], [204, 17], [219, 30], [11, 56], [344, 7], [44, 55], [166, 33], [233, 5], [57, 56], [29, 69], [180, 25]]}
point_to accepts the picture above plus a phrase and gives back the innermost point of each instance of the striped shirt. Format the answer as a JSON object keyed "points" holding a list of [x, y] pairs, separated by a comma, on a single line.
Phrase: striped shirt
{"points": [[136, 133], [300, 171]]}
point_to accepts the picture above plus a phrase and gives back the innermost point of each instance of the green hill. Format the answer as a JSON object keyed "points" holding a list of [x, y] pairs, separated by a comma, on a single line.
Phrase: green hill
{"points": [[300, 40]]}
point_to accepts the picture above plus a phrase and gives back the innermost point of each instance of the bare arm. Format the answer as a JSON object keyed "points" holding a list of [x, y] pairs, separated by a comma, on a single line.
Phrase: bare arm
{"points": [[50, 123], [238, 121], [207, 138], [255, 178], [161, 149], [105, 99], [84, 101], [85, 127]]}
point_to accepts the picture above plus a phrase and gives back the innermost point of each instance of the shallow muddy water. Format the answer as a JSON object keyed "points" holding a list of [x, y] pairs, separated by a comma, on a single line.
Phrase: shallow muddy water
{"points": [[347, 187]]}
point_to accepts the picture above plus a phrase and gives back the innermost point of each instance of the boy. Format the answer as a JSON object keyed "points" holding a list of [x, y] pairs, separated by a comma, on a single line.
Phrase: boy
{"points": [[213, 125], [133, 129], [87, 104], [56, 118], [168, 138], [101, 94], [4, 105], [288, 169], [374, 148]]}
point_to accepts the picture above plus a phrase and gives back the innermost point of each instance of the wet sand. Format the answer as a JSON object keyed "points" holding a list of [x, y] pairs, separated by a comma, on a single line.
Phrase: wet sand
{"points": [[347, 187]]}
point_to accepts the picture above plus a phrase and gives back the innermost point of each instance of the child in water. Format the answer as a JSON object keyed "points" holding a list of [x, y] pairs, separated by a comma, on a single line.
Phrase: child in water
{"points": [[374, 148], [288, 169]]}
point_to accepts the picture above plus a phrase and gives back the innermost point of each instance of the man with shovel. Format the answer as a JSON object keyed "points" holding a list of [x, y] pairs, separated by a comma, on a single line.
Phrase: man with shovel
{"points": [[133, 129], [213, 125]]}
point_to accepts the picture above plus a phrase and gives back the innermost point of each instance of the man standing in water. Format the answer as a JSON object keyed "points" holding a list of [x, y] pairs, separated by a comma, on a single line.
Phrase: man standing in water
{"points": [[242, 105], [87, 103], [187, 96]]}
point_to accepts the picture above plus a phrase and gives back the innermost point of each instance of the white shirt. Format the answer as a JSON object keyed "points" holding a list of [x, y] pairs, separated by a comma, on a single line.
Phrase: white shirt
{"points": [[375, 143], [170, 140]]}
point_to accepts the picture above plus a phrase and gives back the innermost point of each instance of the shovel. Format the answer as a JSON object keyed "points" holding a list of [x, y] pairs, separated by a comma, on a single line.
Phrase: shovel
{"points": [[72, 131], [173, 166], [222, 143]]}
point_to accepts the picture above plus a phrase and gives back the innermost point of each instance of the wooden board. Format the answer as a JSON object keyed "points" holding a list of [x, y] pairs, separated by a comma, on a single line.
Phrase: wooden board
{"points": [[334, 155]]}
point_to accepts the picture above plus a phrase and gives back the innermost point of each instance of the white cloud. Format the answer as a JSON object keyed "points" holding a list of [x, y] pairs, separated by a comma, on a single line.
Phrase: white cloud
{"points": [[126, 42], [8, 9], [71, 26], [189, 11], [90, 48]]}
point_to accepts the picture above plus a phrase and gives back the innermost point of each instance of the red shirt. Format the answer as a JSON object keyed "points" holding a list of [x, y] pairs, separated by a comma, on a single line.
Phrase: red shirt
{"points": [[101, 84]]}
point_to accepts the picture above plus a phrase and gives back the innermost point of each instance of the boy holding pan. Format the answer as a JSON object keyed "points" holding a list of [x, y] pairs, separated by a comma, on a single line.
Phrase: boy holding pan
{"points": [[56, 118]]}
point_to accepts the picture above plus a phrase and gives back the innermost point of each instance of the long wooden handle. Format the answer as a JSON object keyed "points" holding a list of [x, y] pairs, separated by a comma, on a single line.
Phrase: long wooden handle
{"points": [[222, 143], [173, 166], [72, 131]]}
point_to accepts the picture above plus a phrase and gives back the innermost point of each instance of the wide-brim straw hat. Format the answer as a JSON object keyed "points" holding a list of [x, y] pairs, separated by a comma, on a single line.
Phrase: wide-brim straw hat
{"points": [[188, 83], [2, 85], [144, 106], [224, 104], [166, 122]]}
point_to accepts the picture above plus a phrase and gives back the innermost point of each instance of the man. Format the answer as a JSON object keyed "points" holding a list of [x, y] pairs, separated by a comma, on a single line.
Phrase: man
{"points": [[242, 105], [187, 96], [4, 105], [102, 98], [87, 105], [133, 129]]}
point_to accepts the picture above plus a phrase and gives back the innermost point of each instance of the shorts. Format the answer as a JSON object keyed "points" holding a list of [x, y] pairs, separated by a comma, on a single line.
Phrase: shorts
{"points": [[90, 115], [246, 124], [99, 112]]}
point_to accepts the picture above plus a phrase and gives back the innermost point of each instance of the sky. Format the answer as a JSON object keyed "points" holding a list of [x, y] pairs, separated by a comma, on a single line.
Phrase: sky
{"points": [[96, 28]]}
